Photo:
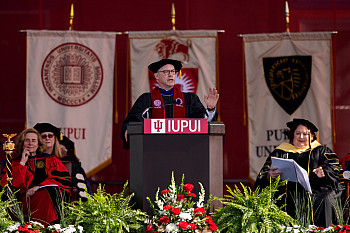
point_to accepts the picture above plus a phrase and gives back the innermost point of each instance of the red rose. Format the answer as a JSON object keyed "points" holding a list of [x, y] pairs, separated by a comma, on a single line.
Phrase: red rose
{"points": [[183, 225], [199, 211], [209, 220], [191, 195], [164, 191], [164, 220], [213, 227], [149, 228], [193, 226], [167, 207], [188, 187], [180, 197], [176, 211]]}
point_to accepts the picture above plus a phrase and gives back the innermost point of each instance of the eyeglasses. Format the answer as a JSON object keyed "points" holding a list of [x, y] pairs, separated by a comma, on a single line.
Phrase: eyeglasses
{"points": [[44, 136], [167, 72]]}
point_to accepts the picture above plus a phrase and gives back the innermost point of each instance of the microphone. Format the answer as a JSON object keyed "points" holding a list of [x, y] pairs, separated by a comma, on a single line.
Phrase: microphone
{"points": [[146, 111]]}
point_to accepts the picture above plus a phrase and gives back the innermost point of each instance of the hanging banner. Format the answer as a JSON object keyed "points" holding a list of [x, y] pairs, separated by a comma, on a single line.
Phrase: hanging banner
{"points": [[288, 75], [195, 49], [70, 85]]}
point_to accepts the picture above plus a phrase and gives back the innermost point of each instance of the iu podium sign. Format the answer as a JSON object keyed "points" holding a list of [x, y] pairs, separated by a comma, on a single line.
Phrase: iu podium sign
{"points": [[158, 147]]}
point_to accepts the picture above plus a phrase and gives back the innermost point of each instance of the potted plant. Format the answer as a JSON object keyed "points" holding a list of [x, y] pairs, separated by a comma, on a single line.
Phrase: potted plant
{"points": [[252, 211], [103, 212]]}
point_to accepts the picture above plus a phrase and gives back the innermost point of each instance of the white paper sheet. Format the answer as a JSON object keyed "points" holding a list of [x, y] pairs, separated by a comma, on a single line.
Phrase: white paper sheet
{"points": [[292, 171]]}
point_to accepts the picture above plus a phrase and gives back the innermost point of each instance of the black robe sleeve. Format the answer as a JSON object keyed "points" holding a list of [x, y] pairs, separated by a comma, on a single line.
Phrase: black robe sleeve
{"points": [[135, 115], [262, 181]]}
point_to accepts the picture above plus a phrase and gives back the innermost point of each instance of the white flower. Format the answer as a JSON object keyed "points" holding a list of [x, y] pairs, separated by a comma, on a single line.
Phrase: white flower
{"points": [[200, 202], [37, 223], [289, 229], [162, 212], [80, 228], [69, 229], [13, 227], [171, 227], [160, 204], [56, 227], [185, 216]]}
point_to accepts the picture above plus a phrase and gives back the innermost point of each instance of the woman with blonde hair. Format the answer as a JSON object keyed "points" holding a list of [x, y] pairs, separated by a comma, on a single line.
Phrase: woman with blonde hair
{"points": [[51, 135], [41, 179]]}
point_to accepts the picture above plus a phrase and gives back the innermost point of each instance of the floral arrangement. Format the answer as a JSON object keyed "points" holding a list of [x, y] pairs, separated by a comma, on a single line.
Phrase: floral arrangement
{"points": [[315, 229], [175, 210], [31, 227]]}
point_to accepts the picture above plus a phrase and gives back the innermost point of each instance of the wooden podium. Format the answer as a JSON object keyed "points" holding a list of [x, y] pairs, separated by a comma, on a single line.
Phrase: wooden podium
{"points": [[153, 157]]}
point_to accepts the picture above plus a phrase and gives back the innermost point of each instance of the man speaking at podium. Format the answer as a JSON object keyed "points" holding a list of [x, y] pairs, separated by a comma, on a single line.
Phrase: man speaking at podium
{"points": [[167, 101]]}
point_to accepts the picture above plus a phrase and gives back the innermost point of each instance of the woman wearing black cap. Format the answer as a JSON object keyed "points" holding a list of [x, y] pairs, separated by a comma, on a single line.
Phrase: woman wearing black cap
{"points": [[51, 136], [322, 166]]}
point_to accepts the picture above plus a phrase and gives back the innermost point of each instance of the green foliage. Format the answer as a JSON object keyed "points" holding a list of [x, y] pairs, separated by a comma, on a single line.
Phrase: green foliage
{"points": [[253, 212], [5, 219], [103, 212], [303, 208]]}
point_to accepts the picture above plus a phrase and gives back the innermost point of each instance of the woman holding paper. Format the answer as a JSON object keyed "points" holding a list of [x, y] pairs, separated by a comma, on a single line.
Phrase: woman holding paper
{"points": [[323, 169], [42, 179]]}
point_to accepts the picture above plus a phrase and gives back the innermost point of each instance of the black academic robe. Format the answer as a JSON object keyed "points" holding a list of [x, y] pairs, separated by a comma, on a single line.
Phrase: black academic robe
{"points": [[326, 191], [193, 108], [79, 179]]}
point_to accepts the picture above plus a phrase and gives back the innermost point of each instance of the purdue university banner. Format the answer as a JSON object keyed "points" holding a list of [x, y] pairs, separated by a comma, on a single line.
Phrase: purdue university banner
{"points": [[288, 75], [195, 49], [70, 85]]}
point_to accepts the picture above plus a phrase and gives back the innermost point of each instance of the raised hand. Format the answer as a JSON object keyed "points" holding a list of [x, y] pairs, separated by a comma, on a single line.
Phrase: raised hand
{"points": [[212, 98]]}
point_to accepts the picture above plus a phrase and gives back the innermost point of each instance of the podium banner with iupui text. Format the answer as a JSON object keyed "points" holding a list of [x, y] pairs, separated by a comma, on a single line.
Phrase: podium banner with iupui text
{"points": [[288, 75], [196, 49], [70, 85]]}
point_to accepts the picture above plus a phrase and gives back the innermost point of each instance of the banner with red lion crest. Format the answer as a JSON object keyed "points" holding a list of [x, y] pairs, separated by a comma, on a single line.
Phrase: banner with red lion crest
{"points": [[288, 75], [196, 49], [70, 78]]}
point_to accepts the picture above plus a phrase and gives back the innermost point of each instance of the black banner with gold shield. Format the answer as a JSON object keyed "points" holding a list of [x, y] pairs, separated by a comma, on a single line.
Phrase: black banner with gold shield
{"points": [[288, 79]]}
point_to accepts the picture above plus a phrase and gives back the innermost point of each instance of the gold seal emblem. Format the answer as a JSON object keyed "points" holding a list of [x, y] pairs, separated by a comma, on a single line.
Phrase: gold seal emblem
{"points": [[40, 164]]}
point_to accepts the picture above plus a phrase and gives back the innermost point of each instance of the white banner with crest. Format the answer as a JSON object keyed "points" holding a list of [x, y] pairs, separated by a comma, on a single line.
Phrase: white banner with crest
{"points": [[288, 75], [196, 49], [70, 85]]}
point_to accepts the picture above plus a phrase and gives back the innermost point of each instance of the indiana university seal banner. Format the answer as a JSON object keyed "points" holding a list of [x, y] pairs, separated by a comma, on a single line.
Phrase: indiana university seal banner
{"points": [[288, 75], [70, 85], [196, 49]]}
